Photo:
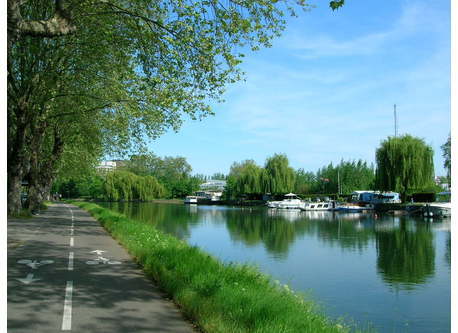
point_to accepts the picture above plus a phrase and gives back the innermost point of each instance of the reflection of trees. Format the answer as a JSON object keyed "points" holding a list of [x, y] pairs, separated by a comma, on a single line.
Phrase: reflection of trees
{"points": [[348, 234], [274, 232], [405, 256], [448, 249], [168, 218]]}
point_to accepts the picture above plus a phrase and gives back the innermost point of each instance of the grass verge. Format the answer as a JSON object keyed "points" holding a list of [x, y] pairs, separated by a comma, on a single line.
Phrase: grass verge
{"points": [[217, 297]]}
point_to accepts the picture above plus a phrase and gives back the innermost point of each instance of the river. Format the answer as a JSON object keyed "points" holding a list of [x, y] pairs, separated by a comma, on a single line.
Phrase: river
{"points": [[384, 272]]}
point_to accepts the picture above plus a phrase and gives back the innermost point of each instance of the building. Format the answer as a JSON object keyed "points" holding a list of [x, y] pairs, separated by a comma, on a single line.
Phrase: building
{"points": [[112, 165]]}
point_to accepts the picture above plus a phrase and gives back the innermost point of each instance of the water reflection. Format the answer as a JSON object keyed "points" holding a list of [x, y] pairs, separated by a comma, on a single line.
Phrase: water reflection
{"points": [[353, 262], [405, 253], [405, 250]]}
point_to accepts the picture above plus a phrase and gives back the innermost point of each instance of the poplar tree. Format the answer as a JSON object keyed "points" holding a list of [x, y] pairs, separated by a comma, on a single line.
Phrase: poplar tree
{"points": [[447, 155], [404, 164]]}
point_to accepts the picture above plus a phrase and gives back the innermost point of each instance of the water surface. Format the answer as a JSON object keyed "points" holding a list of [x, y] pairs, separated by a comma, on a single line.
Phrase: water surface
{"points": [[391, 272]]}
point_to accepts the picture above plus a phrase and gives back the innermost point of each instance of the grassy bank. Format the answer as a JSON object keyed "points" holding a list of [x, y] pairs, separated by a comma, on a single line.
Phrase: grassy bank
{"points": [[215, 296]]}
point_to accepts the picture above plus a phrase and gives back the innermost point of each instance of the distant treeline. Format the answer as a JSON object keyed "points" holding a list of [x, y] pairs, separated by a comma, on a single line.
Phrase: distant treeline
{"points": [[404, 164], [147, 177], [143, 177], [247, 179]]}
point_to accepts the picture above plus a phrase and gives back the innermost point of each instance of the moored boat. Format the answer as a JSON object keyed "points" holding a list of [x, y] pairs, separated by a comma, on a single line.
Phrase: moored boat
{"points": [[190, 199], [315, 206], [291, 201], [437, 209], [354, 208]]}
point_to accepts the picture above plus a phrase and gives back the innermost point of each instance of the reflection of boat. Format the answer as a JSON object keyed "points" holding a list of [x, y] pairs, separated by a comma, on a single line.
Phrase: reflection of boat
{"points": [[318, 214], [291, 201], [290, 215]]}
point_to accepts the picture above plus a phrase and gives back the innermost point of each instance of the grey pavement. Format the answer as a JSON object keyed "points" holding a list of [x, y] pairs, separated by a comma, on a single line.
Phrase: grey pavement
{"points": [[56, 282]]}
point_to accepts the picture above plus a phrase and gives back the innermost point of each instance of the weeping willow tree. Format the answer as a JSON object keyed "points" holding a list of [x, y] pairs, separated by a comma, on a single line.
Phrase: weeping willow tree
{"points": [[124, 185], [244, 179], [404, 164], [278, 177]]}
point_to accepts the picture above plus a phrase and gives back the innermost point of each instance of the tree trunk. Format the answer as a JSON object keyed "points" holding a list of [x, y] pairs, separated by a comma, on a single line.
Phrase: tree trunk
{"points": [[14, 193], [42, 167], [17, 159]]}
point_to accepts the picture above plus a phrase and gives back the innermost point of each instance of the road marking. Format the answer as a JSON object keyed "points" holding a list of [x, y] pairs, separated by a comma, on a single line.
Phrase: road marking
{"points": [[70, 261], [98, 252], [71, 241], [34, 264], [67, 316], [71, 232], [28, 279]]}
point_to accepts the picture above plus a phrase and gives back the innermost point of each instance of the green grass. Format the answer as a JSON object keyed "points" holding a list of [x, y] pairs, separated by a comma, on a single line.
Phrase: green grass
{"points": [[217, 297], [23, 214]]}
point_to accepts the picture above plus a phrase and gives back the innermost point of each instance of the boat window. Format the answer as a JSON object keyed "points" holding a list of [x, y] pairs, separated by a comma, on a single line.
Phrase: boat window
{"points": [[319, 206], [312, 206], [326, 206]]}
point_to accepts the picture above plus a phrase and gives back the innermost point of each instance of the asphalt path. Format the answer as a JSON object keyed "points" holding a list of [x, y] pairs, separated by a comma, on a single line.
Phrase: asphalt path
{"points": [[66, 273]]}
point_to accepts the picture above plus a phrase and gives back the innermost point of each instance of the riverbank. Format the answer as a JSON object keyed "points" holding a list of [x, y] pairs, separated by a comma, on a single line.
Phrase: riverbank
{"points": [[217, 297]]}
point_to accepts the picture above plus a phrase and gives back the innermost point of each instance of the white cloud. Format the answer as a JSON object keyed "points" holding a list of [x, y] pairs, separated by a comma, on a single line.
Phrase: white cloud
{"points": [[416, 17]]}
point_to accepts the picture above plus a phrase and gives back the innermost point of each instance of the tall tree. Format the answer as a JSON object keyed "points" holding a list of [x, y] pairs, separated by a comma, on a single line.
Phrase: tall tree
{"points": [[305, 182], [134, 67], [447, 155], [278, 176], [404, 164]]}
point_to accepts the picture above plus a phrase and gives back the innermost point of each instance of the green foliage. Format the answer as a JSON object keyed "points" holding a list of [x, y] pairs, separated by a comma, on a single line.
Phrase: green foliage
{"points": [[348, 175], [244, 179], [128, 72], [447, 155], [174, 173], [336, 4], [406, 257], [124, 185], [404, 164], [306, 182], [278, 177]]}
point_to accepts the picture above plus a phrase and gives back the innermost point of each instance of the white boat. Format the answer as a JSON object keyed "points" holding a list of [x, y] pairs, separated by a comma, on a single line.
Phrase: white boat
{"points": [[190, 199], [291, 201], [313, 206], [354, 208]]}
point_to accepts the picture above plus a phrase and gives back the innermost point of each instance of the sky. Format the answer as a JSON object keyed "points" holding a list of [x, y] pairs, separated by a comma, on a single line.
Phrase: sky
{"points": [[325, 91]]}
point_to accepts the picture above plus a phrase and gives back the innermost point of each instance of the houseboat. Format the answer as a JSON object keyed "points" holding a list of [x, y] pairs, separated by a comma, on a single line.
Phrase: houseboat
{"points": [[442, 207], [291, 201]]}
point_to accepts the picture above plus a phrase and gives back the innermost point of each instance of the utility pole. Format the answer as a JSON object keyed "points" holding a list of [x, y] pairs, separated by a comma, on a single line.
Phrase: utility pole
{"points": [[338, 181], [395, 122]]}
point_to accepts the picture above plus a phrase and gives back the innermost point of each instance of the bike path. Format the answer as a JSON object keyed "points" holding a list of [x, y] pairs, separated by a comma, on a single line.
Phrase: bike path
{"points": [[66, 273]]}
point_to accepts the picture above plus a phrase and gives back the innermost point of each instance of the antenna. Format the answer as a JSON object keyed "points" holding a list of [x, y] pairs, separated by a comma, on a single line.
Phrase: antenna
{"points": [[395, 122]]}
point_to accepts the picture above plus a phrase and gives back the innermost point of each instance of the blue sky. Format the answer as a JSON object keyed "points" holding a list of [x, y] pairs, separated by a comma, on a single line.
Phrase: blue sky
{"points": [[325, 90]]}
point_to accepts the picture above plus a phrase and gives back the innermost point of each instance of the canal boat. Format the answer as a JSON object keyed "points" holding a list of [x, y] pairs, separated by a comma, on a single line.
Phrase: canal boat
{"points": [[441, 208], [315, 206], [191, 199], [291, 201], [354, 208]]}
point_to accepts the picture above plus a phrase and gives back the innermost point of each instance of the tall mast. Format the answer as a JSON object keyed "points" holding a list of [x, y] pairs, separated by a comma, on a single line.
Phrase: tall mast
{"points": [[395, 122]]}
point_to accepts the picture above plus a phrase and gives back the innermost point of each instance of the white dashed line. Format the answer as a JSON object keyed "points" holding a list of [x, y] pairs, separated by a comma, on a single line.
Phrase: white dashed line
{"points": [[71, 242], [70, 261], [67, 317]]}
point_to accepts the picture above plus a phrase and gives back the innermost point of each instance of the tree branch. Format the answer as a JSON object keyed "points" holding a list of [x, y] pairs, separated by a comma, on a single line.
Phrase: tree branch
{"points": [[60, 24]]}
